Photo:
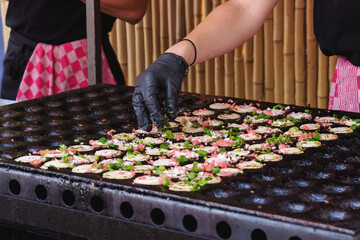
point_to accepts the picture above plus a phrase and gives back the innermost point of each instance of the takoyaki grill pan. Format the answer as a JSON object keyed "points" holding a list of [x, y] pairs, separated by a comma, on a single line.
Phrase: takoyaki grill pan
{"points": [[311, 196]]}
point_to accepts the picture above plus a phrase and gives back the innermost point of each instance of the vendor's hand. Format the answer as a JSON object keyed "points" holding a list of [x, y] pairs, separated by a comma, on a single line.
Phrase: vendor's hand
{"points": [[165, 74]]}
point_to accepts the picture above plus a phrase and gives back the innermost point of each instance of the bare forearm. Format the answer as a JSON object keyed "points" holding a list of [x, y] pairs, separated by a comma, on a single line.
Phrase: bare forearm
{"points": [[224, 29], [130, 11]]}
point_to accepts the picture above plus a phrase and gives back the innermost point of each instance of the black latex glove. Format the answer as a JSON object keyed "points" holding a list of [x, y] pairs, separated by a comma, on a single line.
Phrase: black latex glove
{"points": [[165, 74]]}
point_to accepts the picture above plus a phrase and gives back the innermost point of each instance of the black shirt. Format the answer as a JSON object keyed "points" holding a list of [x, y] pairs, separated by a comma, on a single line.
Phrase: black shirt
{"points": [[51, 21], [337, 28]]}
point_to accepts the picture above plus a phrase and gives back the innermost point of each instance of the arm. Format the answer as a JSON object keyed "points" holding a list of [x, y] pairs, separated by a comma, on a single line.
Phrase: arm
{"points": [[225, 28], [130, 11]]}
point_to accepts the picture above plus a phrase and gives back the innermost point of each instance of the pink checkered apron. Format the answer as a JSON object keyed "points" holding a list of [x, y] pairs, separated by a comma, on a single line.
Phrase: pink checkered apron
{"points": [[345, 87], [54, 69]]}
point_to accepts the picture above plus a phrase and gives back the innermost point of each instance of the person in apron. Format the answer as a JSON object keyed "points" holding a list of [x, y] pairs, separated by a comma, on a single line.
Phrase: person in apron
{"points": [[230, 25], [336, 27], [47, 48]]}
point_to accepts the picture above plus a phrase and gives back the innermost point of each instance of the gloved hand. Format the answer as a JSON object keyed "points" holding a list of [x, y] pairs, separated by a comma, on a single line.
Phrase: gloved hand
{"points": [[165, 74]]}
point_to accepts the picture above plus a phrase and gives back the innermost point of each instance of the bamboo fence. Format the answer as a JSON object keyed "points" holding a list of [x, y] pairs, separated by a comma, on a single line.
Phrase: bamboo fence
{"points": [[281, 63], [278, 45]]}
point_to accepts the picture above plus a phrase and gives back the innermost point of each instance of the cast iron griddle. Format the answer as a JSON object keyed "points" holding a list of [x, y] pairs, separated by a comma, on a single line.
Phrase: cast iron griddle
{"points": [[317, 190]]}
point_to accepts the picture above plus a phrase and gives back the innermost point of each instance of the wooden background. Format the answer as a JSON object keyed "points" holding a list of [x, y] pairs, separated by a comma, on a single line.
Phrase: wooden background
{"points": [[281, 64]]}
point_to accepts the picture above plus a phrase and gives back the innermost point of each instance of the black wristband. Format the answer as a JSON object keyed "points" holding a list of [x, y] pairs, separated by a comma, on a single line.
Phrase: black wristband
{"points": [[192, 43]]}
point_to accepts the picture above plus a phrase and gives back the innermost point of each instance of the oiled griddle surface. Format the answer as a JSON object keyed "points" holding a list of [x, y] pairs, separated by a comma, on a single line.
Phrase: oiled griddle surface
{"points": [[320, 186]]}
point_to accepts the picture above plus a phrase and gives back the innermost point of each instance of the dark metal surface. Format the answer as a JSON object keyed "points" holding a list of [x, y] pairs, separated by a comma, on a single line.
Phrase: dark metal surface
{"points": [[102, 211], [65, 223], [315, 195]]}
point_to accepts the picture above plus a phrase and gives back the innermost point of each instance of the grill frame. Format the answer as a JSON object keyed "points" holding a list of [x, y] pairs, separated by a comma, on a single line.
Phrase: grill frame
{"points": [[52, 213], [241, 220]]}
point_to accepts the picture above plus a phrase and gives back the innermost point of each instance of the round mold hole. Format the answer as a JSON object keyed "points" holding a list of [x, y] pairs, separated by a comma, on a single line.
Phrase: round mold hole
{"points": [[14, 187], [75, 109], [294, 238], [302, 162], [56, 113], [101, 121], [263, 177], [279, 191], [297, 207], [219, 193], [157, 216], [68, 198], [258, 234], [354, 203], [33, 108], [9, 144], [223, 230], [73, 99], [53, 104], [280, 170], [109, 90], [91, 94], [243, 185], [9, 113], [335, 188], [302, 183], [338, 166], [260, 200], [9, 154], [41, 192], [9, 133], [97, 204], [332, 214], [126, 210], [190, 223], [315, 197]]}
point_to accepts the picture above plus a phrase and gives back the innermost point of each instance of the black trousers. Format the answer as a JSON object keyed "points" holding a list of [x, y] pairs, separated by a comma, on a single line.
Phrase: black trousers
{"points": [[16, 58], [19, 52]]}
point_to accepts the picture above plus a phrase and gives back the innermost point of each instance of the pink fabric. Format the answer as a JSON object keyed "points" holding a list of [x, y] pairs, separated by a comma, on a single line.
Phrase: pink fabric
{"points": [[345, 87], [54, 69]]}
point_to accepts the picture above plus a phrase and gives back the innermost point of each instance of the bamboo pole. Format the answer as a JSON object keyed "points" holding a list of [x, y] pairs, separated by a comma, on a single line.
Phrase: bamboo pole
{"points": [[130, 39], [155, 23], [289, 52], [164, 33], [171, 9], [189, 23], [199, 68], [113, 36], [148, 36], [278, 52], [219, 66], [139, 48], [311, 66], [180, 29], [122, 47], [209, 65], [269, 59], [248, 69], [180, 20], [300, 69], [228, 77], [239, 74], [323, 82], [229, 74], [219, 76], [258, 80]]}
